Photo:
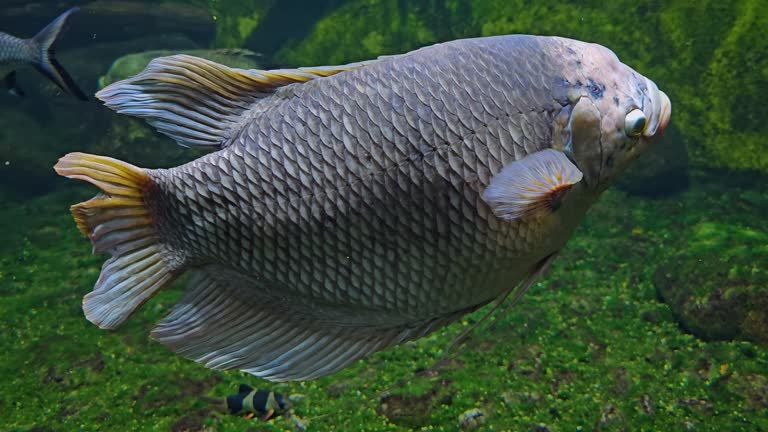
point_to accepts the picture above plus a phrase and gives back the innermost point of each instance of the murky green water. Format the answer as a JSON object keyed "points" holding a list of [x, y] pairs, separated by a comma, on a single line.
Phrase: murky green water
{"points": [[653, 317]]}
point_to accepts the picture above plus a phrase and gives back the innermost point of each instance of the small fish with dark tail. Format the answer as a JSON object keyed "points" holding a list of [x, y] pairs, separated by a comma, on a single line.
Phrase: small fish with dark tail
{"points": [[39, 53]]}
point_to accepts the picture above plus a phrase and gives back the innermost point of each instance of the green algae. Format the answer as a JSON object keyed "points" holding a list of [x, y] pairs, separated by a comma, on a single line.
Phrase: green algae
{"points": [[341, 36], [590, 347], [236, 19]]}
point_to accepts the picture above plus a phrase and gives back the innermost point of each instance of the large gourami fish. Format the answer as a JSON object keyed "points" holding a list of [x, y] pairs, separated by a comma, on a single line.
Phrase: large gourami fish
{"points": [[39, 53], [348, 209]]}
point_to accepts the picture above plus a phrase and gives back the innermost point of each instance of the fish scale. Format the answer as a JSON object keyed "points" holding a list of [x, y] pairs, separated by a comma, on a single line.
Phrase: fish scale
{"points": [[402, 176], [15, 51], [349, 208]]}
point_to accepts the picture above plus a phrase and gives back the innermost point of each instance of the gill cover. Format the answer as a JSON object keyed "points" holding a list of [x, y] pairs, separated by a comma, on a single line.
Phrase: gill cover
{"points": [[582, 143]]}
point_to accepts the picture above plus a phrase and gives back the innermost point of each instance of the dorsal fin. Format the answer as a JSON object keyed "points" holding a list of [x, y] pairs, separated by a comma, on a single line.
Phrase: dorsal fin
{"points": [[198, 102]]}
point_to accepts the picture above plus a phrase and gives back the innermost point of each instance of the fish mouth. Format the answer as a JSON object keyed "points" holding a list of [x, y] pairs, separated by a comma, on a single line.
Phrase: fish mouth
{"points": [[666, 111], [661, 110]]}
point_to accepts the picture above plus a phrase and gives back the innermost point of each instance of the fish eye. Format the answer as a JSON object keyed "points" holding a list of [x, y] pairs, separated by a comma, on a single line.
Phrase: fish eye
{"points": [[634, 123]]}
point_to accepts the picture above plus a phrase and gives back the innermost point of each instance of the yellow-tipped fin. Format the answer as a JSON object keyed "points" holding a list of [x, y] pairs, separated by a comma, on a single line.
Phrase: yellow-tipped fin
{"points": [[118, 222]]}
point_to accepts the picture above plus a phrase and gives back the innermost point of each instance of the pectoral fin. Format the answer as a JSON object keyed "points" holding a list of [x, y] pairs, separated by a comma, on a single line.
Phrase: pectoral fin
{"points": [[532, 185]]}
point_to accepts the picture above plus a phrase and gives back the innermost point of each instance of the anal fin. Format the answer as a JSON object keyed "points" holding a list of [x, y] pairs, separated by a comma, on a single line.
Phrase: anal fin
{"points": [[215, 324]]}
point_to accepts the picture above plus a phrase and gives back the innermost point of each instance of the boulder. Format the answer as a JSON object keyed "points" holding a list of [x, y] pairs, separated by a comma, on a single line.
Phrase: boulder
{"points": [[717, 288]]}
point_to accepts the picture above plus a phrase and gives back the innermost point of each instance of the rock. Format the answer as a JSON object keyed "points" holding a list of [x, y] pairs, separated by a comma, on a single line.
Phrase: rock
{"points": [[236, 20], [611, 418], [697, 405], [753, 389], [407, 410], [622, 381], [646, 404], [471, 419], [661, 171], [93, 60], [717, 288]]}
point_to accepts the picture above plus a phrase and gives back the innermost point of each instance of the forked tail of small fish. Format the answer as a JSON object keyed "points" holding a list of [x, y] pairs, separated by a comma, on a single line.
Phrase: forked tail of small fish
{"points": [[47, 64]]}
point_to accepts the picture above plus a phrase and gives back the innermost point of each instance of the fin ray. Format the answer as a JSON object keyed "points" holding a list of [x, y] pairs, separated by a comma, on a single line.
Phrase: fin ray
{"points": [[197, 102], [118, 222], [215, 324], [531, 185]]}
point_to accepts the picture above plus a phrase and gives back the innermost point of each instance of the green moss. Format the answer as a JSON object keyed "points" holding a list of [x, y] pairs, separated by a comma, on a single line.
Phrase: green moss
{"points": [[236, 19], [388, 28], [734, 121], [589, 345]]}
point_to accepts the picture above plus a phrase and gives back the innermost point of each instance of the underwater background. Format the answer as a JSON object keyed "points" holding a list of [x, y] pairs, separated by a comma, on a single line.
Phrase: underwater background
{"points": [[655, 316]]}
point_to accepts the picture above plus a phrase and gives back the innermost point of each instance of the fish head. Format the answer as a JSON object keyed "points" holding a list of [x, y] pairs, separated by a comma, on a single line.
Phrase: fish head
{"points": [[612, 114]]}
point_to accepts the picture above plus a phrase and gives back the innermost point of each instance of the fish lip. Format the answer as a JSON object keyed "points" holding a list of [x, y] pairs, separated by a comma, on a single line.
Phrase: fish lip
{"points": [[665, 113], [661, 109]]}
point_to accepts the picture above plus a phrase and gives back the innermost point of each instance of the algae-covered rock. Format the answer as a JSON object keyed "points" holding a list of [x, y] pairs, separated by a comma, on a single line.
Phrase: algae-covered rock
{"points": [[752, 389], [717, 288], [661, 171], [131, 64], [735, 86], [471, 419], [718, 71]]}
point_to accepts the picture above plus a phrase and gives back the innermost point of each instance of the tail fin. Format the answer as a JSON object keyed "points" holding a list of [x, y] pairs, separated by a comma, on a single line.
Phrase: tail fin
{"points": [[117, 221], [47, 64]]}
